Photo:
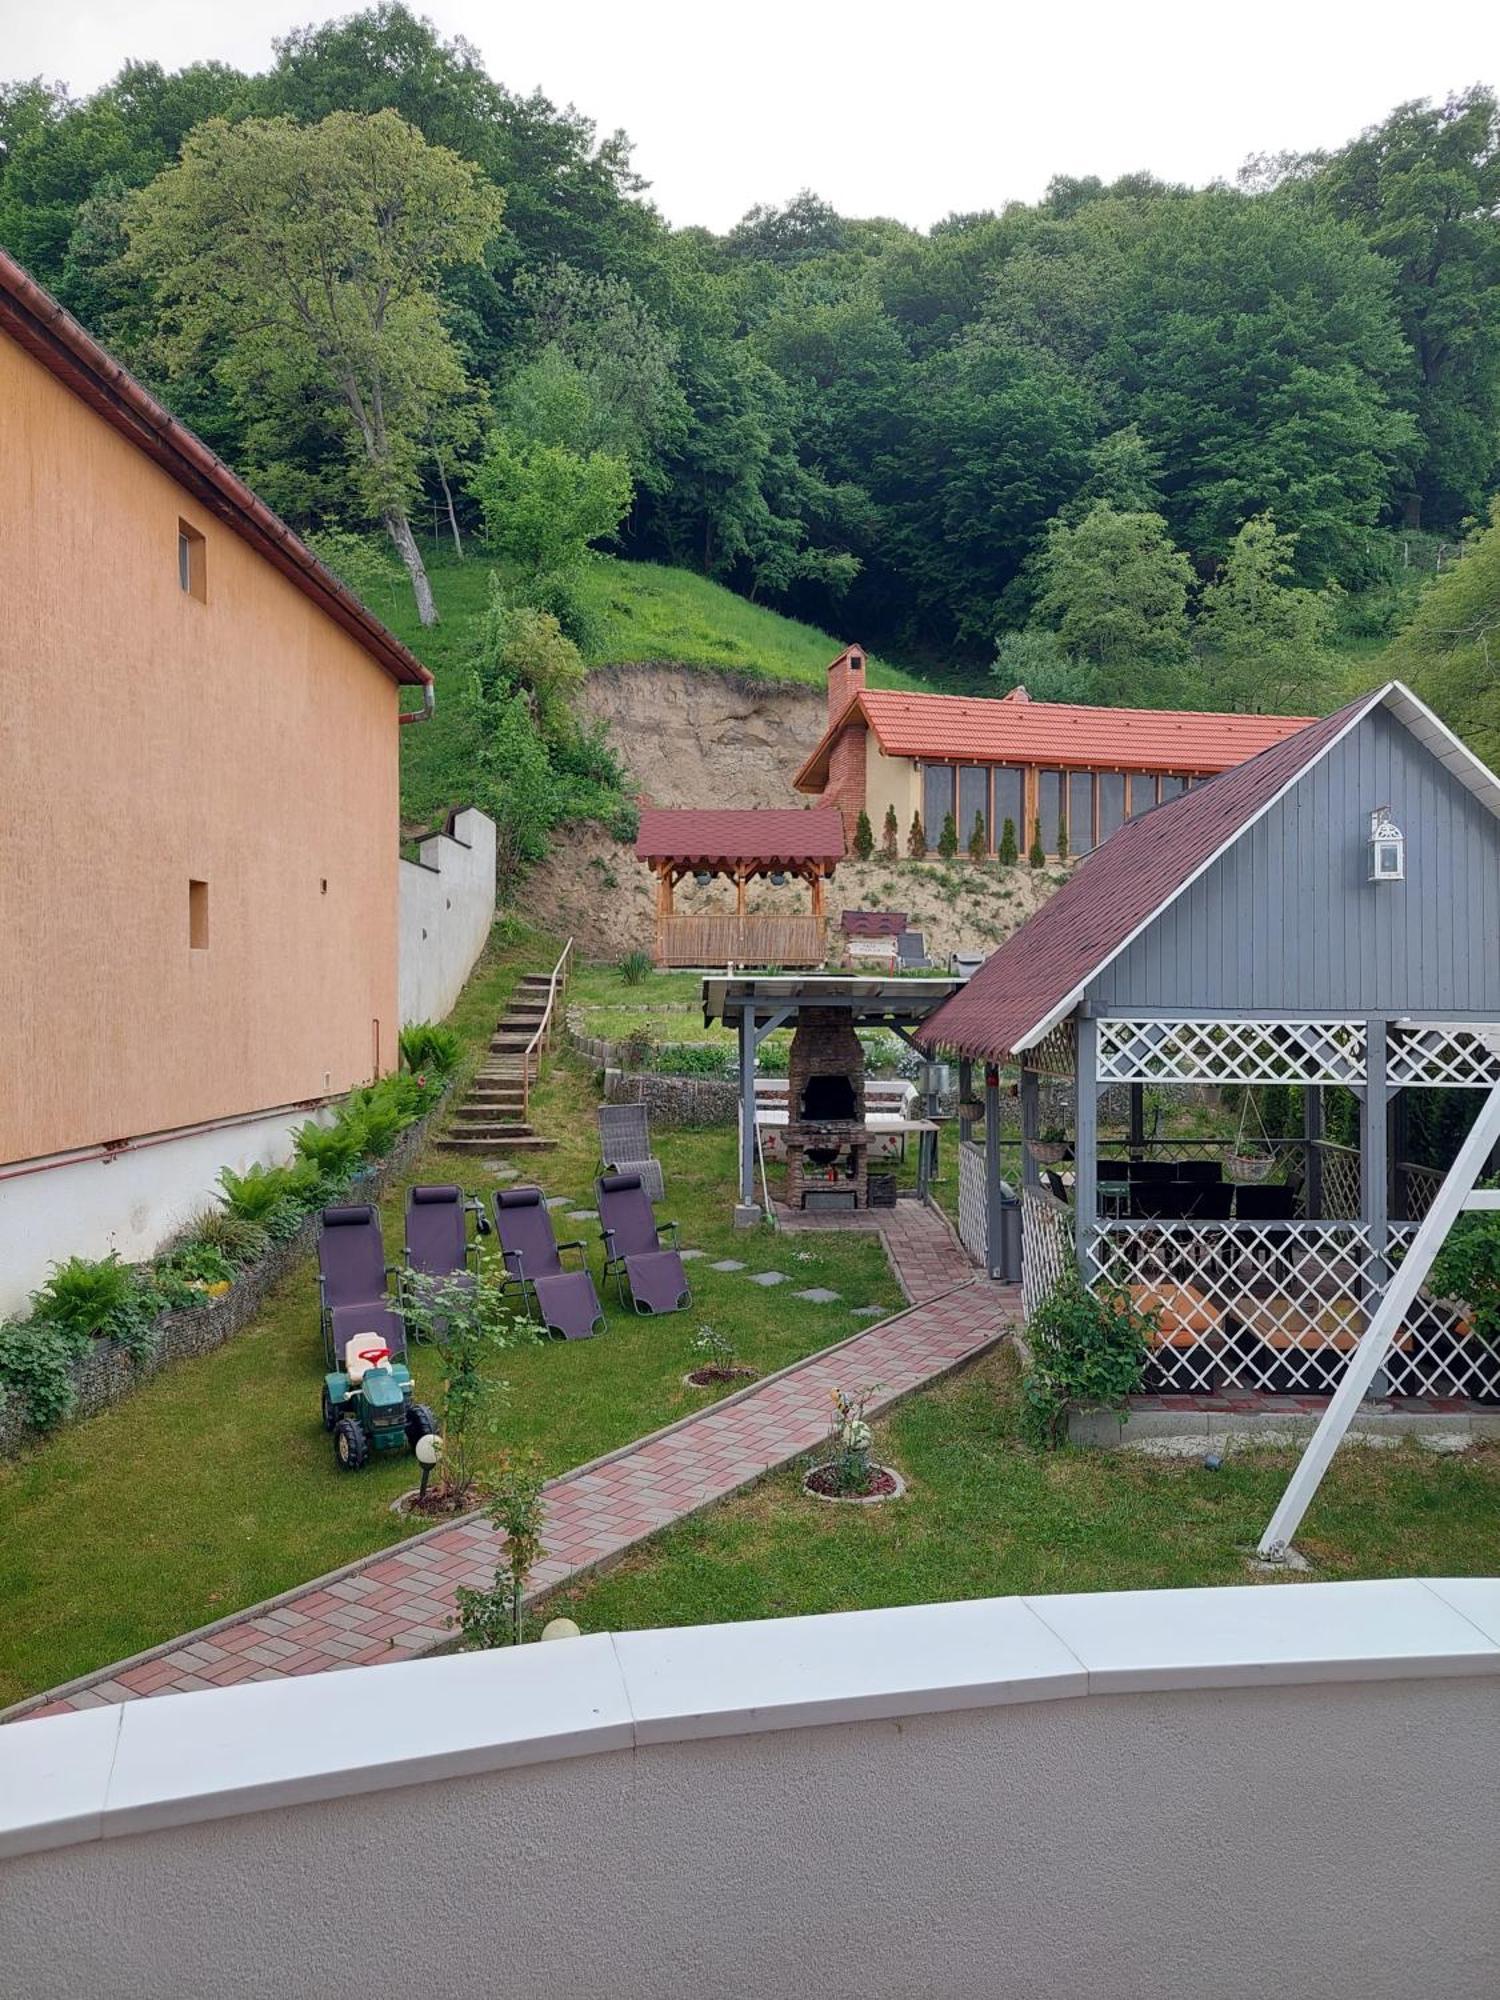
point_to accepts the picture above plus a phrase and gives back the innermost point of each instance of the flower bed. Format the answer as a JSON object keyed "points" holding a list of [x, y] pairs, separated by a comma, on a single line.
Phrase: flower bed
{"points": [[825, 1482]]}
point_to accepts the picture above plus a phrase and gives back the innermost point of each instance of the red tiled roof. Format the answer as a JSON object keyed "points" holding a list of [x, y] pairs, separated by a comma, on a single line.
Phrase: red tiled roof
{"points": [[873, 923], [1137, 871], [776, 833], [37, 323], [1059, 735]]}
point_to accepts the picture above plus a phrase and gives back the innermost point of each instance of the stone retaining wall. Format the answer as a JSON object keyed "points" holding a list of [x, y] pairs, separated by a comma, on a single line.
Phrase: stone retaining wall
{"points": [[106, 1372], [675, 1100]]}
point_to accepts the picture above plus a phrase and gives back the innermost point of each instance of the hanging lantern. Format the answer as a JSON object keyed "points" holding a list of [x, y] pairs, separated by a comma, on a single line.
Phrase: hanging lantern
{"points": [[778, 879], [1387, 847], [702, 877]]}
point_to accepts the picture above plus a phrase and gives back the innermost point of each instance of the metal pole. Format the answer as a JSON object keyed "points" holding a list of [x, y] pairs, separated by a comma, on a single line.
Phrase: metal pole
{"points": [[747, 1108], [1086, 1144], [1453, 1196]]}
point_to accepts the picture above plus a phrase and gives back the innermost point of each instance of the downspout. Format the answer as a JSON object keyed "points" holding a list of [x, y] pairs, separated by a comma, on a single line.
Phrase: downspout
{"points": [[424, 713]]}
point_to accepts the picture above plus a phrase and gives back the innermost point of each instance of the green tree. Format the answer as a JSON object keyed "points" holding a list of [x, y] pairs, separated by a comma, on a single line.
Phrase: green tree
{"points": [[1009, 852], [1423, 189], [1264, 638], [948, 838], [890, 836], [1062, 837], [1036, 660], [306, 259], [1450, 652], [864, 837], [916, 839], [1116, 592], [544, 504], [979, 839], [1037, 853]]}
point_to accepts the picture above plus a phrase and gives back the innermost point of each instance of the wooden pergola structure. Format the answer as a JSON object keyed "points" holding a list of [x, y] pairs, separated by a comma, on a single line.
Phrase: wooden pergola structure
{"points": [[775, 844]]}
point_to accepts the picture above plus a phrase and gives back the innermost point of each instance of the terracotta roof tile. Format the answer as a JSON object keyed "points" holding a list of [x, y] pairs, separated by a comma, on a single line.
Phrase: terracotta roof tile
{"points": [[775, 833], [1054, 734], [1123, 883]]}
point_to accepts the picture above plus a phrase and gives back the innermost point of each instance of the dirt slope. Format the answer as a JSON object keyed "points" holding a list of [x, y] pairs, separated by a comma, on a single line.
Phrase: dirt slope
{"points": [[696, 738]]}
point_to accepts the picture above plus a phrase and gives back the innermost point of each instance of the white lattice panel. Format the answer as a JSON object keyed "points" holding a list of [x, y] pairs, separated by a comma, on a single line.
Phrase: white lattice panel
{"points": [[1273, 1306], [973, 1228], [1443, 1055], [1231, 1051], [1046, 1246], [1438, 1353], [1341, 1182], [1280, 1306]]}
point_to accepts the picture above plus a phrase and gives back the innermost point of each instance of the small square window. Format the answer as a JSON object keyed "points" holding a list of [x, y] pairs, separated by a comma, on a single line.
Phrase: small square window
{"points": [[192, 563], [198, 916]]}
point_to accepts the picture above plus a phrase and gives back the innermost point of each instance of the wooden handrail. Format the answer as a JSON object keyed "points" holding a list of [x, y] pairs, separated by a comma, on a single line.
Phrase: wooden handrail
{"points": [[556, 987]]}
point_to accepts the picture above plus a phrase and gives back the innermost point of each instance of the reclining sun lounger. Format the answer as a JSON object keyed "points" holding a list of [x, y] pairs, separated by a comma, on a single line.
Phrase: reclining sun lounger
{"points": [[633, 1250]]}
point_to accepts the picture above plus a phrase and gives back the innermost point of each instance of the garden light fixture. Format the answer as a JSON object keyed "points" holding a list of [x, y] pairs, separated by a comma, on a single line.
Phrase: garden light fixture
{"points": [[1387, 847]]}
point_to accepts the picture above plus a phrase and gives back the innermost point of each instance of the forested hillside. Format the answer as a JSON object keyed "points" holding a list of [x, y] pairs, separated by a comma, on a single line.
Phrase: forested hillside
{"points": [[1132, 442]]}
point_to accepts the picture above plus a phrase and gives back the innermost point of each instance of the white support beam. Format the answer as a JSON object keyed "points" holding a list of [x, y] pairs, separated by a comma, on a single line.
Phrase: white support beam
{"points": [[1456, 1193]]}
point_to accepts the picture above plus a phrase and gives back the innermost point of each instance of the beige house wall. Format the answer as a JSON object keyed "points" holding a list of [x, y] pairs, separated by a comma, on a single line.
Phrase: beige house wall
{"points": [[148, 740], [890, 781]]}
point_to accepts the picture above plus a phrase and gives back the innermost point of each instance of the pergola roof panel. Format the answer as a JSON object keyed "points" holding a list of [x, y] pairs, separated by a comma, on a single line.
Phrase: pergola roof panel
{"points": [[790, 835]]}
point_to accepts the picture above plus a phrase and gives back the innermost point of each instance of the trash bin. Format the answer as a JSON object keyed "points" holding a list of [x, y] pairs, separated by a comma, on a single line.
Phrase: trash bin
{"points": [[1010, 1236]]}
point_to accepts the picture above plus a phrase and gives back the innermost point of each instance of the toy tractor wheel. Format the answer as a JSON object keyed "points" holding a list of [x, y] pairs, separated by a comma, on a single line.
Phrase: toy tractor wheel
{"points": [[330, 1414], [351, 1448], [420, 1423]]}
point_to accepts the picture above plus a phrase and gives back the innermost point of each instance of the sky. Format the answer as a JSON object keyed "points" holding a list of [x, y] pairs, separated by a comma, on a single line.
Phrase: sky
{"points": [[912, 111]]}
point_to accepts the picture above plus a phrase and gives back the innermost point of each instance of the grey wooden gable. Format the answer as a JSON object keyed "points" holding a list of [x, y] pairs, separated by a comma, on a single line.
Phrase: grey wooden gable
{"points": [[1286, 920]]}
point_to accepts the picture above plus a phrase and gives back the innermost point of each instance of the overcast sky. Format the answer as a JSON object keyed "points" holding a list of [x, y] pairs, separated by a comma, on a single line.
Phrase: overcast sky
{"points": [[909, 110]]}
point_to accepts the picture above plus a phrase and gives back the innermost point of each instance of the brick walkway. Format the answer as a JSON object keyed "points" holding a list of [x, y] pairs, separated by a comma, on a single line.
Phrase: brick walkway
{"points": [[394, 1605]]}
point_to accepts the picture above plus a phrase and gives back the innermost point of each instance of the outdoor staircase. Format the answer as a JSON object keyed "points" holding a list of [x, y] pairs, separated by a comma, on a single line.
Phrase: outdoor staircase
{"points": [[492, 1117]]}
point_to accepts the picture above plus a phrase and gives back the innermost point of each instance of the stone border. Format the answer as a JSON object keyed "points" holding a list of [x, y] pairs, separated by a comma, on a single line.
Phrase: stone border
{"points": [[106, 1374], [854, 1499], [1234, 1429]]}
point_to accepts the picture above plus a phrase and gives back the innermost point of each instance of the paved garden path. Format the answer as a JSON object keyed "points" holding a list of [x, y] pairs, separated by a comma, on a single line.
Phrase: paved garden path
{"points": [[394, 1605]]}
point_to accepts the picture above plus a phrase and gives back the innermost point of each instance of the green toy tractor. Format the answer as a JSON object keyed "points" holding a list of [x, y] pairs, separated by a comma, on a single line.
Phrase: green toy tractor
{"points": [[368, 1406]]}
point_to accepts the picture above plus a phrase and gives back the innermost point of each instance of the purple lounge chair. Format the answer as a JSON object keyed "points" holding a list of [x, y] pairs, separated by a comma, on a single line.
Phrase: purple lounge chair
{"points": [[353, 1279], [437, 1245], [633, 1247], [565, 1300]]}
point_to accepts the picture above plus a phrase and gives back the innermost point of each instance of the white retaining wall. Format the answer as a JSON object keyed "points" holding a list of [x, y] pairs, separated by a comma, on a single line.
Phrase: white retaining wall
{"points": [[130, 1201], [447, 905], [1276, 1789]]}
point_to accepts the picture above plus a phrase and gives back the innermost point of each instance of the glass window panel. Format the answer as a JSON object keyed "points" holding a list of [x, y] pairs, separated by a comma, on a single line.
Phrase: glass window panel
{"points": [[1111, 802], [1009, 802], [1171, 787], [937, 800], [1049, 797], [973, 797], [1080, 811], [1142, 792]]}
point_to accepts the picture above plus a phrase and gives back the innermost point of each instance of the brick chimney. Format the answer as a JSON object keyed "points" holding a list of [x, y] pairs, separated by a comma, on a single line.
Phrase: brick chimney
{"points": [[846, 678]]}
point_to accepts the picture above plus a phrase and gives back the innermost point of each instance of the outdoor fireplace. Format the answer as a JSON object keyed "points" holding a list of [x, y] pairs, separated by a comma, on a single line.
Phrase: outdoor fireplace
{"points": [[826, 1141]]}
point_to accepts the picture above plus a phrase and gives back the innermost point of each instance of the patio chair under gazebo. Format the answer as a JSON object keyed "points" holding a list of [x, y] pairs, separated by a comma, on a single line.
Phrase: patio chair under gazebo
{"points": [[775, 845]]}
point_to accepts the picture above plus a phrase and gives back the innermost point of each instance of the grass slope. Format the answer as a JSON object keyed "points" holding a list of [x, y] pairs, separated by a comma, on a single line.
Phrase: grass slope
{"points": [[645, 613]]}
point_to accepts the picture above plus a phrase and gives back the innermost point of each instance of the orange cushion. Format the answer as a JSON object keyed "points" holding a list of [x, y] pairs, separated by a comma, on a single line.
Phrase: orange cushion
{"points": [[1182, 1314]]}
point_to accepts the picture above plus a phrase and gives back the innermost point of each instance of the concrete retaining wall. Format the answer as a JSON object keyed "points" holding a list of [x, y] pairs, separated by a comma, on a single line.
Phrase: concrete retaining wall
{"points": [[447, 905]]}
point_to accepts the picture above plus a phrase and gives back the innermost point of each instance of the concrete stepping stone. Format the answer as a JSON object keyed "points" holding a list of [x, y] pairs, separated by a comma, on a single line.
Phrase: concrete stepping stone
{"points": [[558, 1200], [582, 1214], [818, 1295], [687, 1256], [868, 1312], [727, 1264], [769, 1278]]}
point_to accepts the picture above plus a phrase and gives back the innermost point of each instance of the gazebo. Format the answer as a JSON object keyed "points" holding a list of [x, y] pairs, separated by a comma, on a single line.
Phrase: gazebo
{"points": [[775, 844], [1324, 919]]}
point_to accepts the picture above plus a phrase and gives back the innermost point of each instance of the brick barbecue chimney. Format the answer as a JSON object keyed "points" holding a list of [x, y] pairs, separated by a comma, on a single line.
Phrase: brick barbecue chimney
{"points": [[846, 679]]}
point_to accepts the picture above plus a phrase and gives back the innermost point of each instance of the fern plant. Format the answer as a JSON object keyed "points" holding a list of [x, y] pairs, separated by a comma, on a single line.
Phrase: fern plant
{"points": [[427, 1045]]}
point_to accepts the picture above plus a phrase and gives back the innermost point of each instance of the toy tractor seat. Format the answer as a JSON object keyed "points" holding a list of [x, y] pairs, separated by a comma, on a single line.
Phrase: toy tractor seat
{"points": [[364, 1352], [380, 1325]]}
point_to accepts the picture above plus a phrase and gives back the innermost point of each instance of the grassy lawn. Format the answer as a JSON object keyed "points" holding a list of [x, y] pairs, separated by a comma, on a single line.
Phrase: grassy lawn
{"points": [[986, 1516], [214, 1485]]}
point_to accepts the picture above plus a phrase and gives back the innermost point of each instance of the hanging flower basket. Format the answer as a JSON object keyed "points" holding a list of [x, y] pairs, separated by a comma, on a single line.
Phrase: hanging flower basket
{"points": [[971, 1108], [1250, 1158], [1047, 1152], [1247, 1169]]}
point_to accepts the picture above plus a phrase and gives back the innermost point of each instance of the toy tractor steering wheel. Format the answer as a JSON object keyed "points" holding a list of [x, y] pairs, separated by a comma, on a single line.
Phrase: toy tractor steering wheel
{"points": [[373, 1356]]}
